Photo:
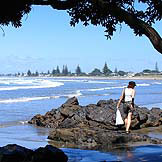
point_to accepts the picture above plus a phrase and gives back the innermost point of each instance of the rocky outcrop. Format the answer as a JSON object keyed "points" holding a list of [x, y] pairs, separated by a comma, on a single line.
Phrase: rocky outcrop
{"points": [[16, 153], [92, 138], [94, 124]]}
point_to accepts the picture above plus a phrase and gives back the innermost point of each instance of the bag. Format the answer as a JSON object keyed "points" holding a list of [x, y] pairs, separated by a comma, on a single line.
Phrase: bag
{"points": [[119, 120]]}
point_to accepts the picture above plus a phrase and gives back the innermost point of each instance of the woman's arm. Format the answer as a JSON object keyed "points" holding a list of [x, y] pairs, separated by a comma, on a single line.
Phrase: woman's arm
{"points": [[133, 95], [120, 99]]}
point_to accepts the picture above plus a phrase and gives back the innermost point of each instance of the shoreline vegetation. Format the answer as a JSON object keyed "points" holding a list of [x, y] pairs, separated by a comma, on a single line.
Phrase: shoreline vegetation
{"points": [[105, 72]]}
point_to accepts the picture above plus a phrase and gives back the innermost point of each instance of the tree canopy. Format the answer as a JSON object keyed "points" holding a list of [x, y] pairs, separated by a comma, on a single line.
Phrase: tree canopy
{"points": [[107, 13]]}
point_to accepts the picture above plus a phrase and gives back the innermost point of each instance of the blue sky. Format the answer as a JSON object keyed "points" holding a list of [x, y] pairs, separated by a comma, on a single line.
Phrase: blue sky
{"points": [[46, 40]]}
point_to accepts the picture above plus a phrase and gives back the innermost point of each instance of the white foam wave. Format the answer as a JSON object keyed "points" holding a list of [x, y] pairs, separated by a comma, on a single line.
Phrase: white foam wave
{"points": [[157, 83], [41, 84], [22, 82], [78, 93], [106, 88], [100, 82], [143, 84], [85, 80], [18, 81], [27, 99], [71, 80], [23, 122], [12, 123]]}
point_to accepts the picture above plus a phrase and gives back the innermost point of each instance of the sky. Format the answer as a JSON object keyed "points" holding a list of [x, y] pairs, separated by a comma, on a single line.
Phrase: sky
{"points": [[46, 40]]}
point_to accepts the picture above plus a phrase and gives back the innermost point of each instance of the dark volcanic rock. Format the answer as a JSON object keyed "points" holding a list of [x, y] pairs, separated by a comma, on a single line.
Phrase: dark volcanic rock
{"points": [[49, 154], [94, 124], [13, 152], [102, 114], [71, 101], [16, 153], [98, 138]]}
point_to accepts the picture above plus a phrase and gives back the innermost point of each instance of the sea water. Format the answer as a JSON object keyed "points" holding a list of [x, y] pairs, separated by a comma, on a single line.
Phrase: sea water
{"points": [[22, 98]]}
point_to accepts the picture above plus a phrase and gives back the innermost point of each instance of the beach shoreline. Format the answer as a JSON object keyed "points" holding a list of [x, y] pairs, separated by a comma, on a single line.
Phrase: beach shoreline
{"points": [[110, 77], [149, 77]]}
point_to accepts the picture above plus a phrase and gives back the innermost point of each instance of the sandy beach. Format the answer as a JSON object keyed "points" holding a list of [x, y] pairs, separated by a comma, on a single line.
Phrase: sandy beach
{"points": [[157, 77]]}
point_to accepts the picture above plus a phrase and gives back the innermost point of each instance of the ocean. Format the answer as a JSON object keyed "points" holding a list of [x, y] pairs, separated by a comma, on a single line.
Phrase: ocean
{"points": [[22, 98]]}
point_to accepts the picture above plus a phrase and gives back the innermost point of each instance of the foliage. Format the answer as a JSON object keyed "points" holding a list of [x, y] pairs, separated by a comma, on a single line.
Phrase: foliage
{"points": [[53, 72], [57, 70], [106, 70], [91, 12], [14, 13], [156, 67], [122, 73], [65, 70], [96, 72], [107, 13], [147, 71], [29, 73], [78, 70], [36, 73]]}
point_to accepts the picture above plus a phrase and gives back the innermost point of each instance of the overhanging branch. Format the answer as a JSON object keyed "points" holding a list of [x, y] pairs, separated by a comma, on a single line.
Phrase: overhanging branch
{"points": [[56, 4], [133, 23], [115, 11]]}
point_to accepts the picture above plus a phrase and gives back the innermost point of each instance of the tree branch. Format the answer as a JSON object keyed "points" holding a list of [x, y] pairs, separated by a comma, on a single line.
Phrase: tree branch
{"points": [[134, 23], [119, 13], [56, 4]]}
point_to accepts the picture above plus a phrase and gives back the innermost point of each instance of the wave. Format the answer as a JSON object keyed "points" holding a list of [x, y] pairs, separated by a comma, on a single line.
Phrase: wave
{"points": [[71, 80], [17, 81], [33, 84], [157, 83], [100, 82], [25, 99], [85, 81], [143, 84], [28, 99], [13, 123], [76, 94], [106, 88]]}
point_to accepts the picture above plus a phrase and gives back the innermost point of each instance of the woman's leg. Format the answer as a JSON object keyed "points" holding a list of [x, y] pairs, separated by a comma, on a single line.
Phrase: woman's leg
{"points": [[128, 121]]}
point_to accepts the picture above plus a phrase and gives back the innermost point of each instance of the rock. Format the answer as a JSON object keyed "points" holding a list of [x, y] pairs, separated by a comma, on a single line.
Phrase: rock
{"points": [[69, 110], [103, 103], [13, 152], [97, 138], [87, 125], [101, 114], [49, 154], [16, 153], [71, 101]]}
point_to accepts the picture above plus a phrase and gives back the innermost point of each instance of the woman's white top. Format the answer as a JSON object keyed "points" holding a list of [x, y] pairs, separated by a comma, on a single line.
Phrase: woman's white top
{"points": [[128, 94]]}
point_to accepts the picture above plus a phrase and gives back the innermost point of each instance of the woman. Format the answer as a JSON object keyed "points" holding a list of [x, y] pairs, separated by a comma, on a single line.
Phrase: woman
{"points": [[127, 97]]}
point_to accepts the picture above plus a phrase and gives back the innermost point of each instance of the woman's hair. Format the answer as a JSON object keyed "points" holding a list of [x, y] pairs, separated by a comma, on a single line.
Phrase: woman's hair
{"points": [[131, 84]]}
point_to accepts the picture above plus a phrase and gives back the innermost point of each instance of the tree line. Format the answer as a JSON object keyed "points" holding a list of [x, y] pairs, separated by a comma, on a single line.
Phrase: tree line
{"points": [[105, 71]]}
